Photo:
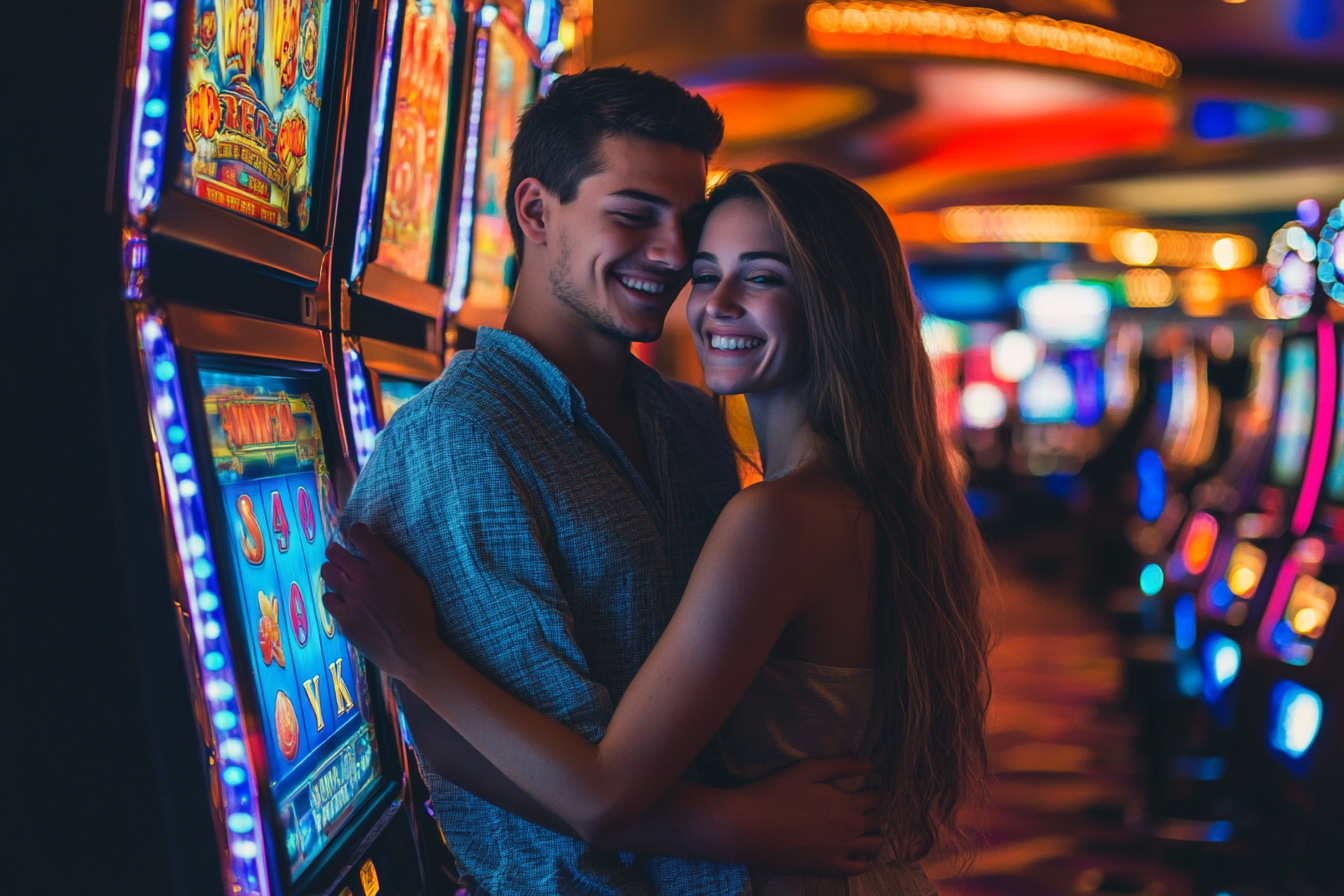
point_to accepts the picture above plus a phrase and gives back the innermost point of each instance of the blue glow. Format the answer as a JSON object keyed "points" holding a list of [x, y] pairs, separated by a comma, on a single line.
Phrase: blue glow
{"points": [[240, 823], [176, 434], [1189, 677], [1151, 579], [187, 488], [202, 569], [363, 422], [1221, 595], [181, 462], [1220, 831], [165, 370], [1183, 620], [1222, 662], [1152, 484], [234, 775], [207, 601], [1314, 20], [214, 661], [225, 720], [195, 544], [373, 152], [160, 41], [466, 216], [1294, 719], [219, 690]]}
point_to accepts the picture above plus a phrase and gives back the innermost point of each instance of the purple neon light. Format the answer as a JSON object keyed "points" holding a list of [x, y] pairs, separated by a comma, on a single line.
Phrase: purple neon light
{"points": [[374, 150], [457, 290], [362, 420], [149, 112], [1320, 436], [240, 818]]}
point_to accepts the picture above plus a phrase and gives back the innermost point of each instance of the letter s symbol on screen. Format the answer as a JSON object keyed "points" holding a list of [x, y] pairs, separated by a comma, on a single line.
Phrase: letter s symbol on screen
{"points": [[249, 535]]}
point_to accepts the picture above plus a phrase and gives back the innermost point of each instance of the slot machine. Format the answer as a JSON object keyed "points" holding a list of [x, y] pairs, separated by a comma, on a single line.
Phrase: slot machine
{"points": [[1223, 578], [513, 48], [394, 229], [288, 770]]}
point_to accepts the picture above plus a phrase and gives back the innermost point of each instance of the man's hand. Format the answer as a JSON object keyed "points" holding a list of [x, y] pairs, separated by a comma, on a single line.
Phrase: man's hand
{"points": [[382, 606], [796, 822]]}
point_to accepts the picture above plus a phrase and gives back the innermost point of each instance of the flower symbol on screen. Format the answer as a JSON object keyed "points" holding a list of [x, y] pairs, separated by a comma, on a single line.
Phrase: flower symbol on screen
{"points": [[268, 630], [298, 613], [286, 726]]}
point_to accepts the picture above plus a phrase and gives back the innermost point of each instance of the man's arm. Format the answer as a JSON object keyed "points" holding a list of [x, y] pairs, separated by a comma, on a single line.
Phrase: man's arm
{"points": [[789, 822]]}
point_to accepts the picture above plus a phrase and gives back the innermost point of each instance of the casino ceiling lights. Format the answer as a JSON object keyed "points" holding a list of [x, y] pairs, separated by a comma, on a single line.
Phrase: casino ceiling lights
{"points": [[937, 29]]}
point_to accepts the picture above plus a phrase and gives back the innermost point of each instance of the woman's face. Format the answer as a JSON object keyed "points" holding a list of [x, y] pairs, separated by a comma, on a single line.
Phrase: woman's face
{"points": [[743, 310]]}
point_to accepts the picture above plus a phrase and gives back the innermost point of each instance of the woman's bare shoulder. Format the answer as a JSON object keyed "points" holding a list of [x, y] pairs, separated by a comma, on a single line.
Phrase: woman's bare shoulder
{"points": [[805, 508]]}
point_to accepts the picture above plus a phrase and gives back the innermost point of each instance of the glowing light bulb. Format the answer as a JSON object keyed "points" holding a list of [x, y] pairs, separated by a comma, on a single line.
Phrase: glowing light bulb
{"points": [[1301, 721], [1012, 355], [1151, 579], [1241, 581], [1225, 254], [1226, 662], [1305, 620]]}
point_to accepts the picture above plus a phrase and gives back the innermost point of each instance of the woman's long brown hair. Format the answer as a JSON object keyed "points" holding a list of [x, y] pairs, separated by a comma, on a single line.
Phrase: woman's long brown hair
{"points": [[870, 399]]}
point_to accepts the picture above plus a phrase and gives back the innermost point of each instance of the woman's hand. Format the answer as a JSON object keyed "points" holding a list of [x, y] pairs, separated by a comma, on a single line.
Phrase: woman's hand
{"points": [[383, 607]]}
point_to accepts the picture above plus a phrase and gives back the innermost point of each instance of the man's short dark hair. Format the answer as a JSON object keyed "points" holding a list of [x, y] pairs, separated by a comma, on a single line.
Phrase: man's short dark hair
{"points": [[559, 134]]}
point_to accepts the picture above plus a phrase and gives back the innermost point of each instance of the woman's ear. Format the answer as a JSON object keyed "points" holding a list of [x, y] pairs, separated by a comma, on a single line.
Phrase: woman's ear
{"points": [[530, 204]]}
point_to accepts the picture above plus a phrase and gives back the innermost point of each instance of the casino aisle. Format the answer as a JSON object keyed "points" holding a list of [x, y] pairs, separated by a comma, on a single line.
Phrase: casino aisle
{"points": [[1066, 783]]}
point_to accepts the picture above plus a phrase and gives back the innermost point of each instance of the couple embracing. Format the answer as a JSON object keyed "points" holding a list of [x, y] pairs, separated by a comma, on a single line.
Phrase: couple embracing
{"points": [[623, 674]]}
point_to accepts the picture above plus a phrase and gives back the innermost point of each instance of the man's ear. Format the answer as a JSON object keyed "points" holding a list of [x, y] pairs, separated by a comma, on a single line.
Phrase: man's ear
{"points": [[530, 204]]}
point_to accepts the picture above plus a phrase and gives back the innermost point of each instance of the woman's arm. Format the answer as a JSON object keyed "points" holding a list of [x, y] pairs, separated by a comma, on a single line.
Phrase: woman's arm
{"points": [[792, 822], [751, 579]]}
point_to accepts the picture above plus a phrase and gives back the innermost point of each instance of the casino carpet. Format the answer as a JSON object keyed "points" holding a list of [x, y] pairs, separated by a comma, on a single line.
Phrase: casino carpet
{"points": [[1063, 774]]}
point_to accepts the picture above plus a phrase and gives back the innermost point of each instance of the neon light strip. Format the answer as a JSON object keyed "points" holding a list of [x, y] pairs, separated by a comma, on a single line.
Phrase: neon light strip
{"points": [[149, 115], [374, 150], [1320, 437], [457, 291], [246, 861], [1278, 599], [362, 419]]}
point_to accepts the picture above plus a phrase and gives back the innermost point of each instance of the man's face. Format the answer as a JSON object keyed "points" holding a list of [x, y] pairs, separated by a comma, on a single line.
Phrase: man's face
{"points": [[622, 247]]}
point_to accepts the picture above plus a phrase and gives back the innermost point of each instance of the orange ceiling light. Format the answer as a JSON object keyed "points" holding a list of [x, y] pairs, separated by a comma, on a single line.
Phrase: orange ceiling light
{"points": [[939, 29], [762, 112], [1030, 223], [1180, 248]]}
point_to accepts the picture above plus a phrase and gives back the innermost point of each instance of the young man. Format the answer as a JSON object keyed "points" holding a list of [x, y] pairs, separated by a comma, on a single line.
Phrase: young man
{"points": [[555, 493]]}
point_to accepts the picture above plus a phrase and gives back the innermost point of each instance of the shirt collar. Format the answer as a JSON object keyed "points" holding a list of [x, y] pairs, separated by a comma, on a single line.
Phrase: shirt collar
{"points": [[645, 379]]}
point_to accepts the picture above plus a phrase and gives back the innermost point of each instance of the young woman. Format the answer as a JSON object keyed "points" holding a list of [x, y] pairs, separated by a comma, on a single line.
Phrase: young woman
{"points": [[834, 610]]}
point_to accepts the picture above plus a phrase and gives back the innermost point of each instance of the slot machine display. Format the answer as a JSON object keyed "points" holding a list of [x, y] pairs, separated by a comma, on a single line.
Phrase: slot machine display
{"points": [[515, 45], [231, 143], [393, 232]]}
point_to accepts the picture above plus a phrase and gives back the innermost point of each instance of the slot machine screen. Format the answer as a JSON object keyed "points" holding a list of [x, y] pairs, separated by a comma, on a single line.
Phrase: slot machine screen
{"points": [[310, 686], [1334, 479], [509, 89], [1295, 409], [395, 392], [419, 134], [254, 80]]}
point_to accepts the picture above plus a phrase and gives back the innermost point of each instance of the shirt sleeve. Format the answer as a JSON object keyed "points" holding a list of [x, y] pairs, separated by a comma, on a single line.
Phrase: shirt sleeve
{"points": [[440, 492]]}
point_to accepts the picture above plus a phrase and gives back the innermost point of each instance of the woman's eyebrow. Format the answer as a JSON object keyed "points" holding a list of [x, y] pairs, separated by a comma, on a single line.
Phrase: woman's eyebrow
{"points": [[705, 256], [753, 256]]}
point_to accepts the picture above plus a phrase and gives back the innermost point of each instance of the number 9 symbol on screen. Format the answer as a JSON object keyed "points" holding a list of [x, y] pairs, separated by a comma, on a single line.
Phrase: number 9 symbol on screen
{"points": [[328, 624]]}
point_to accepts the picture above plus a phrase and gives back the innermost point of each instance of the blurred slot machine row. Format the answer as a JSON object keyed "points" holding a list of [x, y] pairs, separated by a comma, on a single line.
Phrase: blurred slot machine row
{"points": [[1237, 670], [311, 191]]}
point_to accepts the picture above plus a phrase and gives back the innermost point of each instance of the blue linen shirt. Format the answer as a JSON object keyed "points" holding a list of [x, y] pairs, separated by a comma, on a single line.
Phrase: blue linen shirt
{"points": [[554, 569]]}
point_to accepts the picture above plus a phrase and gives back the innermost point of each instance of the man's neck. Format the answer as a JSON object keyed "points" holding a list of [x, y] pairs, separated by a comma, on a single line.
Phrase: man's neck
{"points": [[593, 361]]}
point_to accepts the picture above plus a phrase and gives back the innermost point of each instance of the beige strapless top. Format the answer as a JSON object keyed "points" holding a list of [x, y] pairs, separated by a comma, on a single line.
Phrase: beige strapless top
{"points": [[797, 710]]}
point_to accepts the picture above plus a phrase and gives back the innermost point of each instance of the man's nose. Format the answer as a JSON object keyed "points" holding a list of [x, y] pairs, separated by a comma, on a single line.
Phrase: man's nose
{"points": [[668, 246]]}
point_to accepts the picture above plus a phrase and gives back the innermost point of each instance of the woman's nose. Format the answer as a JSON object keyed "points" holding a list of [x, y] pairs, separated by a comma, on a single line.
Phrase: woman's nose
{"points": [[723, 302]]}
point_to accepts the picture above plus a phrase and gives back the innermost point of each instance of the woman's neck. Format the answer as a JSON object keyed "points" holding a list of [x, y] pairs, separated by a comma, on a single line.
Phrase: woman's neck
{"points": [[779, 418]]}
